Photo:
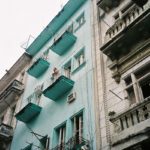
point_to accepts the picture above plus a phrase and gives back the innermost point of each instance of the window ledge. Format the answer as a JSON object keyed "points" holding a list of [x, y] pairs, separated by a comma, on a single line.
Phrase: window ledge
{"points": [[79, 67]]}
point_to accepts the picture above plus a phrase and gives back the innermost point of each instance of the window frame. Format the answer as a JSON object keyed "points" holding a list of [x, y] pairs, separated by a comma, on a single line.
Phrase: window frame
{"points": [[135, 82], [80, 113], [80, 23], [76, 59], [66, 68], [57, 134]]}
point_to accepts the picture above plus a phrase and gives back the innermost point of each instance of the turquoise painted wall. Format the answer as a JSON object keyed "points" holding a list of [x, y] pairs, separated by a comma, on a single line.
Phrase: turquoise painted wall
{"points": [[55, 113]]}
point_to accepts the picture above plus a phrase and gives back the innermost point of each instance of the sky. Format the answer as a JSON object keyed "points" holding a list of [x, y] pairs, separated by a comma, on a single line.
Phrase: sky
{"points": [[18, 20]]}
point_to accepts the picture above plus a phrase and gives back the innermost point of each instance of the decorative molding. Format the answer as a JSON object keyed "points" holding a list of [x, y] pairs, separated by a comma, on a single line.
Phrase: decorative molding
{"points": [[136, 55]]}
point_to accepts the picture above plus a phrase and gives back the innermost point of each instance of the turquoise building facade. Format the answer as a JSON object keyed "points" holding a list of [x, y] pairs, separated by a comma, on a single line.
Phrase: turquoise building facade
{"points": [[57, 110]]}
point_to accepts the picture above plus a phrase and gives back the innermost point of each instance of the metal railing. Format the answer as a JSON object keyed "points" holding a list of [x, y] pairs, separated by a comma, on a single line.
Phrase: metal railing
{"points": [[74, 143]]}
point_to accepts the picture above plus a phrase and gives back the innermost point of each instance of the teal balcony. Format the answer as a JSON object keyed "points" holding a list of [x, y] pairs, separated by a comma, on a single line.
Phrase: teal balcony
{"points": [[38, 68], [58, 88], [63, 43], [29, 112], [29, 147]]}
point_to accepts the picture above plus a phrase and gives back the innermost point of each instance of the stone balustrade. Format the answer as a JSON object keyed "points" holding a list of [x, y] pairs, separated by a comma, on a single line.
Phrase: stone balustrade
{"points": [[135, 115], [127, 18]]}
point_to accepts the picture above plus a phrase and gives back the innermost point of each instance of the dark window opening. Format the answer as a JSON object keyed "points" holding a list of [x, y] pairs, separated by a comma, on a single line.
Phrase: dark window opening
{"points": [[78, 128], [146, 89], [67, 69], [61, 134], [131, 95], [70, 28], [128, 80]]}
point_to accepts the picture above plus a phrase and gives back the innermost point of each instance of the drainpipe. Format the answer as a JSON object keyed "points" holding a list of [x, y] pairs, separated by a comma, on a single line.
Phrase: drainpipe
{"points": [[103, 83], [94, 26]]}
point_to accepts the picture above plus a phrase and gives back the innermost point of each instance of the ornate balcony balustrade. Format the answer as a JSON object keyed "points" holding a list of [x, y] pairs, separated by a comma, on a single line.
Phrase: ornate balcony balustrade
{"points": [[134, 23], [6, 132], [132, 122], [128, 18], [127, 41]]}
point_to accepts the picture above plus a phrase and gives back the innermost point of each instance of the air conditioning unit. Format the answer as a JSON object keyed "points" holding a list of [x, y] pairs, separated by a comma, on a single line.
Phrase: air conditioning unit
{"points": [[71, 97]]}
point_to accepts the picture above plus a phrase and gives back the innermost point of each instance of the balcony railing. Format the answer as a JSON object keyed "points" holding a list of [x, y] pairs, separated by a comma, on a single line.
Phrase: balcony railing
{"points": [[58, 86], [128, 18], [134, 23], [74, 143], [136, 119], [6, 132]]}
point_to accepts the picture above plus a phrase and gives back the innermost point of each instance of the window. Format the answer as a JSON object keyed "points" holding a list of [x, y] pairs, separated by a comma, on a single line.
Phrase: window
{"points": [[79, 59], [123, 11], [61, 134], [67, 69], [77, 122], [80, 21], [138, 84], [45, 54]]}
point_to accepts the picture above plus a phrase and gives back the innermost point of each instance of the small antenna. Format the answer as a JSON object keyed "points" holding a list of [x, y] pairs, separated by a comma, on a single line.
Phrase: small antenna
{"points": [[116, 95], [28, 42], [61, 4]]}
